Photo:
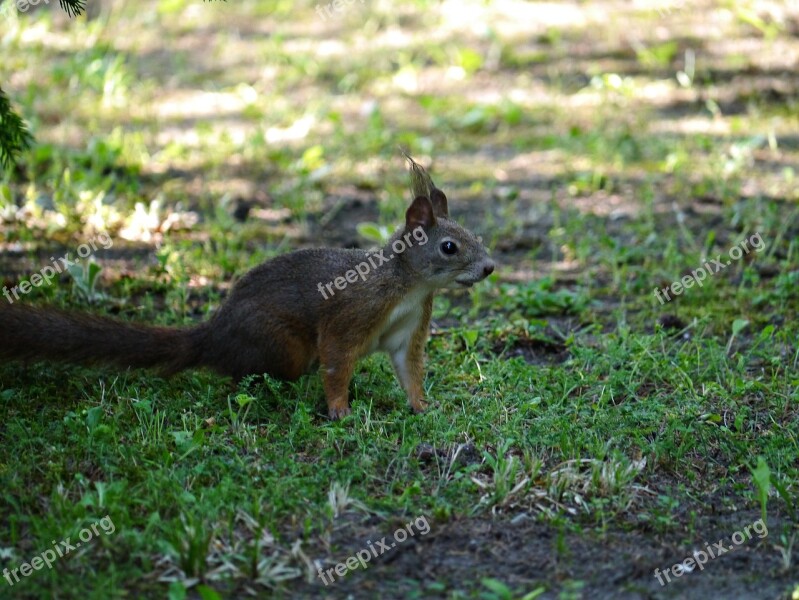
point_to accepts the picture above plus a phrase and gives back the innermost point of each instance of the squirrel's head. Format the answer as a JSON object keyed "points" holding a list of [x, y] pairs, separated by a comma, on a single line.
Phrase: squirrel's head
{"points": [[448, 255]]}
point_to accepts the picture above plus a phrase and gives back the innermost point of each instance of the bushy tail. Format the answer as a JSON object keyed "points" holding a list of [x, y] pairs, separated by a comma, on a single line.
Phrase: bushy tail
{"points": [[29, 333]]}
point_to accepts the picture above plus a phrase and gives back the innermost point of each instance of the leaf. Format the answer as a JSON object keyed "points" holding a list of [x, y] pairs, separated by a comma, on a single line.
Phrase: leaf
{"points": [[93, 417], [683, 79], [534, 594], [474, 119], [177, 591], [738, 325], [373, 231], [739, 421], [243, 400], [207, 593], [710, 418], [84, 279], [784, 495], [496, 586], [762, 478], [469, 60], [94, 271]]}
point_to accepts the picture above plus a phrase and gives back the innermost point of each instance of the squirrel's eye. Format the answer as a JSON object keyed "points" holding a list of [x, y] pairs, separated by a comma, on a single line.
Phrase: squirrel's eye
{"points": [[449, 247]]}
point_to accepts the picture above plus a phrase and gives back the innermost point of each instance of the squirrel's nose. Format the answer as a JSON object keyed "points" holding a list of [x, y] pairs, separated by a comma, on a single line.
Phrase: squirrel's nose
{"points": [[488, 269]]}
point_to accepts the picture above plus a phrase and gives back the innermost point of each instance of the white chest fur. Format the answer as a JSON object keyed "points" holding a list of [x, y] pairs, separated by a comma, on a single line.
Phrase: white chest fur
{"points": [[403, 320]]}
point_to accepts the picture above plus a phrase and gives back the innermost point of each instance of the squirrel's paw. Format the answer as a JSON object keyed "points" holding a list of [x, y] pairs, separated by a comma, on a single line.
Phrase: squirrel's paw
{"points": [[339, 412], [419, 406]]}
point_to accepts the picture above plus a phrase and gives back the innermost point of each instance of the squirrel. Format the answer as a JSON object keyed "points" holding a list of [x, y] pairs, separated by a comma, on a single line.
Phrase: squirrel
{"points": [[291, 313]]}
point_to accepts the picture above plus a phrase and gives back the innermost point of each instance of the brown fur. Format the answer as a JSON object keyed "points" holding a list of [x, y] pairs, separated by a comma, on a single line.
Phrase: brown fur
{"points": [[277, 321]]}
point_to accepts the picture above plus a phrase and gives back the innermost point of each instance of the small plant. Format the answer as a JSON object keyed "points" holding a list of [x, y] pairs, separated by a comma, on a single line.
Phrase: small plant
{"points": [[238, 417], [191, 541], [151, 423], [540, 297], [84, 280], [500, 591], [508, 478], [761, 475], [379, 234], [738, 325], [786, 550]]}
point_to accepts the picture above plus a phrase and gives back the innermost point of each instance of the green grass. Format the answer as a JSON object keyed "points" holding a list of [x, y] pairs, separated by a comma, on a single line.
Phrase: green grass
{"points": [[563, 388]]}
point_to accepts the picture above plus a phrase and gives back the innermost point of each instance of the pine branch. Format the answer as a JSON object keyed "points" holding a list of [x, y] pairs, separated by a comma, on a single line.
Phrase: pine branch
{"points": [[73, 7], [14, 134]]}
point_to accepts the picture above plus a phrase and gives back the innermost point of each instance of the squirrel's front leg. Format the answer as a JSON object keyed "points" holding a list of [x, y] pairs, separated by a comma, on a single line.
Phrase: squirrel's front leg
{"points": [[337, 369], [409, 365], [408, 360]]}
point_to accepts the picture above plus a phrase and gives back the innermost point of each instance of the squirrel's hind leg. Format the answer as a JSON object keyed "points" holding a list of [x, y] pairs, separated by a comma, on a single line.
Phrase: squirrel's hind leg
{"points": [[337, 369]]}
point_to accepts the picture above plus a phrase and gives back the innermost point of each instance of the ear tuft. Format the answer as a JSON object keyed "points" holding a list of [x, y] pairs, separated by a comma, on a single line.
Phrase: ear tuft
{"points": [[421, 184], [420, 214]]}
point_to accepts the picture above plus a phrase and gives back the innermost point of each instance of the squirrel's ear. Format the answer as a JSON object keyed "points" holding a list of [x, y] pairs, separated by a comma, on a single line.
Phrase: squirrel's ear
{"points": [[420, 214], [439, 201]]}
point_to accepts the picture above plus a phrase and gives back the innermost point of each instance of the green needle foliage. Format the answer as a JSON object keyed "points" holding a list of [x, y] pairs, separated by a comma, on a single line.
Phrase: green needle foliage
{"points": [[14, 134], [73, 7]]}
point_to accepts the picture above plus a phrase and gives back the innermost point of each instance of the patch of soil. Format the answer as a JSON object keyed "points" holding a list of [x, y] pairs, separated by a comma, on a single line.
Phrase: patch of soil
{"points": [[337, 225], [534, 351], [526, 554]]}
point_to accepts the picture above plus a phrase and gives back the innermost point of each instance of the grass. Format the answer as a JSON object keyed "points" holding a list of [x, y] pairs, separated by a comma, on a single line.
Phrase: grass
{"points": [[570, 403]]}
